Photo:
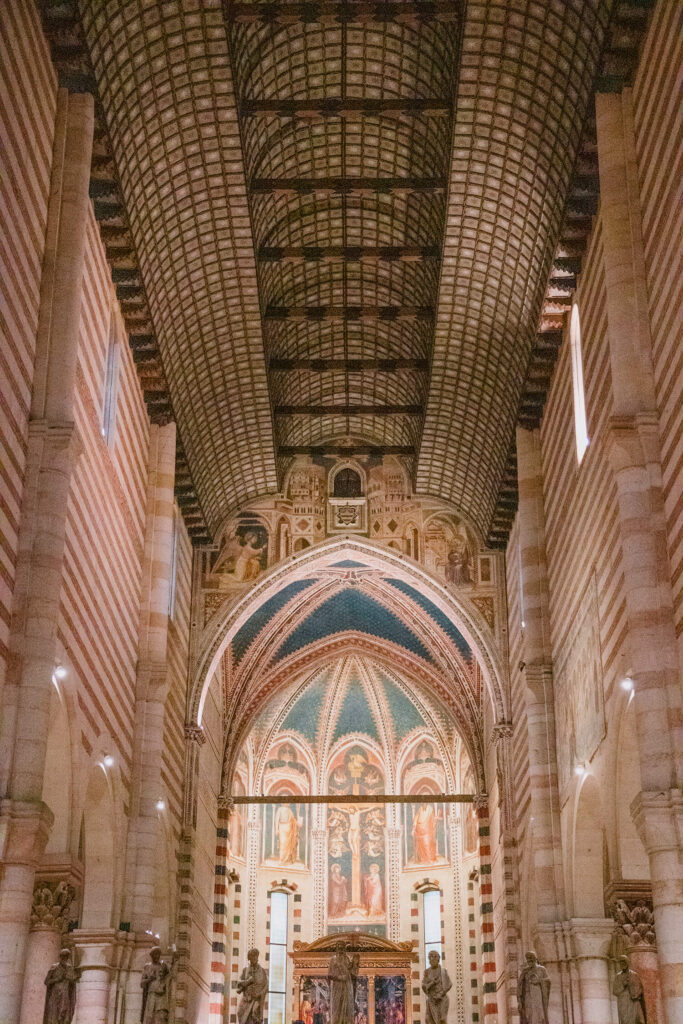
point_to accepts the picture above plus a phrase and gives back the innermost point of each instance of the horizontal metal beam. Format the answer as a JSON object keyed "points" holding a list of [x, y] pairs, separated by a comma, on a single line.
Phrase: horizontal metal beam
{"points": [[406, 12], [345, 451], [348, 410], [348, 313], [349, 798], [348, 365], [346, 186], [321, 109], [349, 254]]}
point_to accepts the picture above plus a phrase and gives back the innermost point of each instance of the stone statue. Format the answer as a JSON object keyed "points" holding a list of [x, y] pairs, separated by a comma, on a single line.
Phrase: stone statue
{"points": [[533, 992], [156, 989], [436, 985], [628, 988], [253, 986], [60, 1000], [342, 973]]}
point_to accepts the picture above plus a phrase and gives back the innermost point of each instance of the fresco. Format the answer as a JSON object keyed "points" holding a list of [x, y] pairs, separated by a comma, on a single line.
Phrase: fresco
{"points": [[424, 833], [244, 553], [285, 834], [449, 549], [356, 885]]}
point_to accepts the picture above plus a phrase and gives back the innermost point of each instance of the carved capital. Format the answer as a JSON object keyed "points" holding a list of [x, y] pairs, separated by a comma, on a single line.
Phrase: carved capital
{"points": [[635, 921], [502, 731], [194, 733], [51, 904], [226, 803], [480, 803]]}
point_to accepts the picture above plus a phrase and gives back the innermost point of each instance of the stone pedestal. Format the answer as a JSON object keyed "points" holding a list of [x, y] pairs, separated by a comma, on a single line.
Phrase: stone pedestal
{"points": [[591, 939], [94, 954]]}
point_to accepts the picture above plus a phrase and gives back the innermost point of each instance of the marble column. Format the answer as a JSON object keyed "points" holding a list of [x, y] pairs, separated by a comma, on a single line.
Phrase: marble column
{"points": [[634, 451], [591, 940], [49, 921], [151, 690], [94, 956], [52, 450]]}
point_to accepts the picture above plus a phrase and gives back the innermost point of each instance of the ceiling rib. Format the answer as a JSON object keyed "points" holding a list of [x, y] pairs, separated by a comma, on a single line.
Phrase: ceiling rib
{"points": [[325, 109], [348, 254], [351, 365], [346, 451], [346, 186], [348, 410], [348, 313], [405, 12]]}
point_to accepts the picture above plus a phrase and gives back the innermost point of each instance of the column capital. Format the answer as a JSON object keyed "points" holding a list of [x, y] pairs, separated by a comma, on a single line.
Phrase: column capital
{"points": [[591, 937], [632, 441], [51, 906], [194, 733], [25, 827], [502, 731], [658, 817], [95, 946], [538, 676]]}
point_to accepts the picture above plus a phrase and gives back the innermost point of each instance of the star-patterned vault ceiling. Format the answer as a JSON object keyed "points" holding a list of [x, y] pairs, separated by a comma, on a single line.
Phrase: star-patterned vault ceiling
{"points": [[336, 222]]}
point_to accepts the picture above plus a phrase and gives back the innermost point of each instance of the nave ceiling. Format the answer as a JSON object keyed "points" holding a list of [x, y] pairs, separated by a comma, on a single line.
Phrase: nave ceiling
{"points": [[344, 224]]}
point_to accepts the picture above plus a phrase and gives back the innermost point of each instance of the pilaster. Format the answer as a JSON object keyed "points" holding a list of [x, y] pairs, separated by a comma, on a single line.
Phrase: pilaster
{"points": [[634, 451]]}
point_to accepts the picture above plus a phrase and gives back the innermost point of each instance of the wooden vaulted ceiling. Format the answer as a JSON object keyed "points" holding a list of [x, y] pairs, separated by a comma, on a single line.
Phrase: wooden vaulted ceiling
{"points": [[345, 225]]}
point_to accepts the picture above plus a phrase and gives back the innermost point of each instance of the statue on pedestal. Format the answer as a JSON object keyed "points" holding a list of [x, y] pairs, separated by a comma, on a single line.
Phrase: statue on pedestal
{"points": [[628, 988], [60, 1000], [156, 989], [342, 973], [253, 986], [436, 985], [533, 992]]}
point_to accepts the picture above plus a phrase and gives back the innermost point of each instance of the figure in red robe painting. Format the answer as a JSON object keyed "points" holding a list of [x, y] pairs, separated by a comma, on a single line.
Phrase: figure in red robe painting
{"points": [[338, 893], [373, 892], [424, 835]]}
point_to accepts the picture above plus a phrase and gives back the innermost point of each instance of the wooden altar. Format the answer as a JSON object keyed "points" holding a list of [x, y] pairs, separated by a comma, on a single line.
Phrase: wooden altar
{"points": [[383, 986]]}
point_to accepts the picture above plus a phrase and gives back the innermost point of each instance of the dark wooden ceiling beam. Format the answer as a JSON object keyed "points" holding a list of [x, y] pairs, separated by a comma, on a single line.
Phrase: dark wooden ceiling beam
{"points": [[405, 12], [345, 451], [349, 254], [322, 109], [348, 365], [347, 186], [346, 314], [348, 410]]}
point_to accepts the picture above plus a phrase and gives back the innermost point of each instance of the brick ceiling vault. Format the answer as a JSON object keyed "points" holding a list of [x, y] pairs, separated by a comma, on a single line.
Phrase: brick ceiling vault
{"points": [[165, 83], [342, 223]]}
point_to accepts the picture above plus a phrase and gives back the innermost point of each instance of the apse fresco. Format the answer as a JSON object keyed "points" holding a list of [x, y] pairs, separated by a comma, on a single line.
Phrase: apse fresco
{"points": [[356, 884], [285, 834]]}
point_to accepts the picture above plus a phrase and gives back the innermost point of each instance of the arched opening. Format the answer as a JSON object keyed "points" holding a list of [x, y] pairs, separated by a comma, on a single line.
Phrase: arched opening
{"points": [[588, 852], [98, 855], [300, 544], [347, 483]]}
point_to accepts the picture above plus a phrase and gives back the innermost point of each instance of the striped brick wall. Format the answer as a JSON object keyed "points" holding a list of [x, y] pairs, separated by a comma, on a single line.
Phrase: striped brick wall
{"points": [[656, 111], [27, 112], [221, 924], [177, 658], [489, 1009], [100, 608], [473, 940]]}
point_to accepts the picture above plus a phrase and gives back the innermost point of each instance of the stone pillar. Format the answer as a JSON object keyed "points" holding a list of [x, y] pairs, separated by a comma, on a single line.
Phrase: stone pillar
{"points": [[502, 737], [94, 955], [393, 882], [591, 940], [636, 939], [634, 452], [151, 691], [49, 921], [52, 451]]}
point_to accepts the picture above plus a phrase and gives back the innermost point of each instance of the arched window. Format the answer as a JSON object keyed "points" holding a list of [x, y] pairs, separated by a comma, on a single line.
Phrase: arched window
{"points": [[347, 484], [431, 916], [580, 427], [277, 949]]}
